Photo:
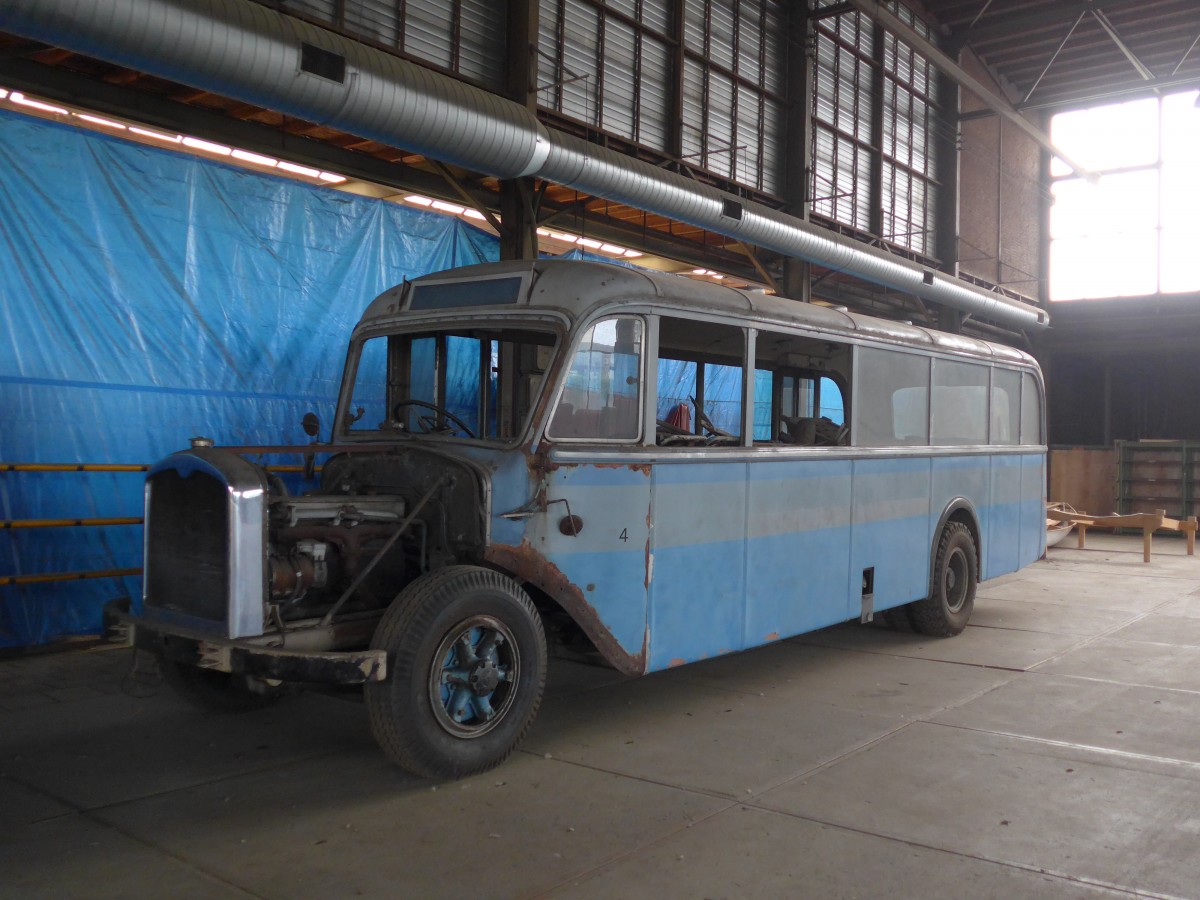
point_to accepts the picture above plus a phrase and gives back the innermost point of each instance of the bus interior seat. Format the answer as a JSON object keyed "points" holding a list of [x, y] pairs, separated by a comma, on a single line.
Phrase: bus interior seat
{"points": [[812, 431]]}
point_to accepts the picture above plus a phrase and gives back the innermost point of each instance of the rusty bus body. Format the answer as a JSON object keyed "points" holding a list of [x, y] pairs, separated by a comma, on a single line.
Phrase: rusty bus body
{"points": [[651, 468]]}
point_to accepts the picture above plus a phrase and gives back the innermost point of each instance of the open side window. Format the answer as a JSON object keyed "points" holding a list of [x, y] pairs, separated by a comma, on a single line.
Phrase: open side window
{"points": [[700, 383], [799, 395]]}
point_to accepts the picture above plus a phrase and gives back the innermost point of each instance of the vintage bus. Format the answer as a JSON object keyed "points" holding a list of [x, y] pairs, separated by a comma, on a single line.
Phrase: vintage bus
{"points": [[654, 469]]}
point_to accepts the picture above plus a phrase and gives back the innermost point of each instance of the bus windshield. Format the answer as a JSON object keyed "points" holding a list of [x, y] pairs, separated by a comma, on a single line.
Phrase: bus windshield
{"points": [[477, 383]]}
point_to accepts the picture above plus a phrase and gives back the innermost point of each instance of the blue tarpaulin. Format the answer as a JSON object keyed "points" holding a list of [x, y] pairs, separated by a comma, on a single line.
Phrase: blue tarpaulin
{"points": [[147, 297]]}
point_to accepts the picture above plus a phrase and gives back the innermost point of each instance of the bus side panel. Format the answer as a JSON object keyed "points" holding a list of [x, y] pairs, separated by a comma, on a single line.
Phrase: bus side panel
{"points": [[798, 551], [697, 589], [607, 559], [890, 531], [968, 477], [1033, 508], [1002, 549]]}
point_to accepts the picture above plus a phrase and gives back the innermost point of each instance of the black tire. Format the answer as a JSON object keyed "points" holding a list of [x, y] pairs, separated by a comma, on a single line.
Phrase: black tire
{"points": [[219, 692], [945, 612], [447, 710]]}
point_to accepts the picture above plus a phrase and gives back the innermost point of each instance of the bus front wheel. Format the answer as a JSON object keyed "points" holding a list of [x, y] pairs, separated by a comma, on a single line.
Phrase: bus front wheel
{"points": [[955, 576], [466, 668]]}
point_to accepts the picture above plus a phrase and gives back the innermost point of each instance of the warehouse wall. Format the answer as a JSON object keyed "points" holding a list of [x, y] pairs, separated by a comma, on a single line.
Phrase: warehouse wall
{"points": [[1122, 369], [1000, 203], [148, 296]]}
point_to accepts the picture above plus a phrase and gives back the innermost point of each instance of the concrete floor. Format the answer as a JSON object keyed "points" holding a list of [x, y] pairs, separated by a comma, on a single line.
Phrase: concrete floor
{"points": [[1051, 750]]}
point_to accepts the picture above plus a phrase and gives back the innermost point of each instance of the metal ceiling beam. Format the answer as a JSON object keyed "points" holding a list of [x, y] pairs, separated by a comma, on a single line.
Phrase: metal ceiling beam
{"points": [[875, 10], [1129, 90], [1007, 22], [1053, 57], [1112, 32]]}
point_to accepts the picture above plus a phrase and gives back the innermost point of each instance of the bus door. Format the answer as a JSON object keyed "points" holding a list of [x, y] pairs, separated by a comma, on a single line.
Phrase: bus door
{"points": [[596, 527]]}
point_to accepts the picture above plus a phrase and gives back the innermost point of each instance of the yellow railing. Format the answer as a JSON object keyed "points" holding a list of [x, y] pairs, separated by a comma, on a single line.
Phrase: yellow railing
{"points": [[21, 524]]}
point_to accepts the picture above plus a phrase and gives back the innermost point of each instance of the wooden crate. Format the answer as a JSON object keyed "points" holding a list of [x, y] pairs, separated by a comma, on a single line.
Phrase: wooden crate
{"points": [[1084, 478]]}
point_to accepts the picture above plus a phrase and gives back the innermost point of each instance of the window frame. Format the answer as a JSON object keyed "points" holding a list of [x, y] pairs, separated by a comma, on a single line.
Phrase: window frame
{"points": [[568, 360]]}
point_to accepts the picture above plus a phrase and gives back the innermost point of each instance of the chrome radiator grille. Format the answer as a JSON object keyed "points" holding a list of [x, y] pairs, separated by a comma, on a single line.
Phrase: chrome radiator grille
{"points": [[206, 512], [187, 545]]}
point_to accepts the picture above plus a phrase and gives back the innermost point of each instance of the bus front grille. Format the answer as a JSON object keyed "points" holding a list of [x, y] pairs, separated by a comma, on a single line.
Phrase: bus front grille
{"points": [[188, 546]]}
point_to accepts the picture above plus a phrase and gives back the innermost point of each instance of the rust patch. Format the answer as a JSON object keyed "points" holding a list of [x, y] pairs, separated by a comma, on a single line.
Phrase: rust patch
{"points": [[676, 662], [773, 636], [527, 564]]}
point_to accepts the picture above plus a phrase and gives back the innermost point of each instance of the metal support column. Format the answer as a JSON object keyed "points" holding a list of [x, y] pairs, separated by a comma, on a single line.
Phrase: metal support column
{"points": [[878, 35], [946, 148], [518, 215], [797, 273]]}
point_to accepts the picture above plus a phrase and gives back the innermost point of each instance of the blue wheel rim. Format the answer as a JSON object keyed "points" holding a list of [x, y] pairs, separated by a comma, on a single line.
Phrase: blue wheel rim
{"points": [[473, 677]]}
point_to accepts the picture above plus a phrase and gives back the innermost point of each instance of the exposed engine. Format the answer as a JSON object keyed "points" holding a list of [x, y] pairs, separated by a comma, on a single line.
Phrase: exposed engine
{"points": [[320, 544], [231, 550]]}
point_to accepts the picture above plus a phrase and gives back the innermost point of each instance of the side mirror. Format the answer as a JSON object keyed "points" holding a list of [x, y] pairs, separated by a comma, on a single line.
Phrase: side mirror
{"points": [[311, 424]]}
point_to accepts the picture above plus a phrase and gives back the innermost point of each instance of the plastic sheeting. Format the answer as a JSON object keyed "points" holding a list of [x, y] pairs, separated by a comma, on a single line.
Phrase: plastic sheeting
{"points": [[147, 297]]}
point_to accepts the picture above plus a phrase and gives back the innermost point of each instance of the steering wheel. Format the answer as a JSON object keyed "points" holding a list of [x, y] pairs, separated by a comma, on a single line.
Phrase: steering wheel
{"points": [[428, 423]]}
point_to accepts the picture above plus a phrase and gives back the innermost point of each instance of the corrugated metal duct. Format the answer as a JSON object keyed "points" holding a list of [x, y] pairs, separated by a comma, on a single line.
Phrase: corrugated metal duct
{"points": [[254, 54]]}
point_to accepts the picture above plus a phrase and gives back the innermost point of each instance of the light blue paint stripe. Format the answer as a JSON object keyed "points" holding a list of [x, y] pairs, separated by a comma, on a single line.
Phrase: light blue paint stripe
{"points": [[897, 466], [786, 469], [156, 389]]}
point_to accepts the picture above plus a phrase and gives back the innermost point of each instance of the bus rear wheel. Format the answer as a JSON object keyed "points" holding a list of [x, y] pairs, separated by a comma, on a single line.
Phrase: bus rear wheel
{"points": [[945, 611], [466, 668]]}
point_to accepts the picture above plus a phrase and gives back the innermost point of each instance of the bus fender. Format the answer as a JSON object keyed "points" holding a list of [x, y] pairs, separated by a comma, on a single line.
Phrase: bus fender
{"points": [[528, 565], [963, 510]]}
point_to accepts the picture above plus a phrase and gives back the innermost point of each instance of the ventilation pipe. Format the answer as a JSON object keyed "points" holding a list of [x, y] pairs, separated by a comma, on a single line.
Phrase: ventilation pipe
{"points": [[246, 51]]}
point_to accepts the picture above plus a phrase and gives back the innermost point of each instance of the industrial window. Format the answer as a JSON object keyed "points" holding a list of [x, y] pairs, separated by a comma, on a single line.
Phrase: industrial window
{"points": [[908, 121], [733, 71], [610, 64], [841, 120], [1135, 231], [699, 383], [465, 37], [847, 113]]}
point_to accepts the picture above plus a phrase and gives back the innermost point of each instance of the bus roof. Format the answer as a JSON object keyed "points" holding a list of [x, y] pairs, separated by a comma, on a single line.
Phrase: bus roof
{"points": [[577, 287]]}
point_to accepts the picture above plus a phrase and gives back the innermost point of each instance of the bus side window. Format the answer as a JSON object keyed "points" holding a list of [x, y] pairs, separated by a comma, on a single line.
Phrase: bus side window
{"points": [[795, 400], [601, 397], [699, 383], [891, 399], [1006, 406], [1031, 410], [959, 404]]}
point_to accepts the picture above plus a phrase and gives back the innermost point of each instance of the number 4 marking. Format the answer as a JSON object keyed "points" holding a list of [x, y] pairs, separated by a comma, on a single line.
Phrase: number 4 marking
{"points": [[624, 535]]}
